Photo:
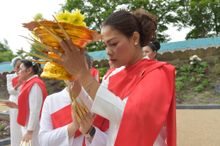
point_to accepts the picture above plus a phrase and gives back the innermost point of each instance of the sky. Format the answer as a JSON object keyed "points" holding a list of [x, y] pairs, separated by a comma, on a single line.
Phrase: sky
{"points": [[15, 12]]}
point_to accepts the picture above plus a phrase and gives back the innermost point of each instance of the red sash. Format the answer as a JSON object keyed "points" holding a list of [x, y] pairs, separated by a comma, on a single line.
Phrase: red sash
{"points": [[15, 81], [23, 98], [95, 73], [63, 117], [150, 88]]}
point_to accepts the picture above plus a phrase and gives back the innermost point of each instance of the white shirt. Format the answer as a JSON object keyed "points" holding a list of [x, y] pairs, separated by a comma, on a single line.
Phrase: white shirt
{"points": [[35, 102], [111, 107], [48, 136], [11, 90]]}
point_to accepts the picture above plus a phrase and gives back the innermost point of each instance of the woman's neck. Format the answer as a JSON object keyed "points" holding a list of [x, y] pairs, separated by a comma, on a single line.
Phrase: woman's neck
{"points": [[138, 56], [30, 76]]}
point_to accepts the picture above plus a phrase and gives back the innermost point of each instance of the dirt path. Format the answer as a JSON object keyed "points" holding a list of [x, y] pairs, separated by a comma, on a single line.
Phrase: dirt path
{"points": [[195, 127], [198, 127]]}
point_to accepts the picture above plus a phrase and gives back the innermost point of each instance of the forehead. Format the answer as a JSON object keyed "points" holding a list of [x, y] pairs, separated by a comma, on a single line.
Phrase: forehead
{"points": [[109, 33]]}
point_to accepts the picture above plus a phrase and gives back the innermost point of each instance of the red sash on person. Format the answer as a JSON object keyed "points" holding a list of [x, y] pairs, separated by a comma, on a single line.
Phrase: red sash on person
{"points": [[150, 86], [63, 117], [95, 73], [15, 81], [23, 98]]}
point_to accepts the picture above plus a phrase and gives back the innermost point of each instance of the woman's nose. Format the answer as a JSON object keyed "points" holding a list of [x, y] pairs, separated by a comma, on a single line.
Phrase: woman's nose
{"points": [[109, 51]]}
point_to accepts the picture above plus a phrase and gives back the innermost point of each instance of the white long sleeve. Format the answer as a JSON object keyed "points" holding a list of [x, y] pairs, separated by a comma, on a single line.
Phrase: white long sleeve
{"points": [[48, 136], [35, 103], [111, 107], [108, 105], [11, 90]]}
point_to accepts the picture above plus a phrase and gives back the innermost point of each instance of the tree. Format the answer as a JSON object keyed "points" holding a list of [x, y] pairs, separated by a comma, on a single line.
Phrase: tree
{"points": [[5, 53], [96, 12], [21, 53], [202, 16]]}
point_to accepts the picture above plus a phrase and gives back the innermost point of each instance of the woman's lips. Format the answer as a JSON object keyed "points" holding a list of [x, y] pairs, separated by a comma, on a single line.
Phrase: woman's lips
{"points": [[112, 60]]}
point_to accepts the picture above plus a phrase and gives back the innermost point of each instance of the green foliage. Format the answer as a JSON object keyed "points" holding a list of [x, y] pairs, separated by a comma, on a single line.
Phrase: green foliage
{"points": [[202, 16], [97, 11], [192, 76], [5, 53], [102, 71], [21, 53]]}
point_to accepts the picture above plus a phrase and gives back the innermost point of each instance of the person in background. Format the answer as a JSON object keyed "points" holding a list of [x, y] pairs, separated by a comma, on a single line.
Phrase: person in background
{"points": [[13, 87], [93, 70], [151, 49], [59, 127], [138, 96], [30, 101]]}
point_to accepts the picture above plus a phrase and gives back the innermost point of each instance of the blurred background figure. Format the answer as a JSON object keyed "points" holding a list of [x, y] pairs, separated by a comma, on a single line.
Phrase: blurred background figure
{"points": [[94, 72], [151, 49], [30, 101], [13, 87]]}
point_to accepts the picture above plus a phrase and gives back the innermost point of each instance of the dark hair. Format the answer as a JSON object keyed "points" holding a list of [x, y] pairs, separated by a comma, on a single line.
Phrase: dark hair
{"points": [[35, 66], [127, 23], [155, 45]]}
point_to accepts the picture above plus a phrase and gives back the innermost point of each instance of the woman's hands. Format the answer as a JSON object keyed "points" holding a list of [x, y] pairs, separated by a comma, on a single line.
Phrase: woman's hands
{"points": [[82, 121], [73, 60], [27, 137]]}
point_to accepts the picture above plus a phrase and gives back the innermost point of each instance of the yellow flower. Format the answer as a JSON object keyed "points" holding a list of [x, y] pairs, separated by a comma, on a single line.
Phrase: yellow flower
{"points": [[75, 18]]}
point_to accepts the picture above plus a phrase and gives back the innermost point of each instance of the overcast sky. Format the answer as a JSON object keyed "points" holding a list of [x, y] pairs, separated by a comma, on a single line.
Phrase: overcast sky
{"points": [[15, 12]]}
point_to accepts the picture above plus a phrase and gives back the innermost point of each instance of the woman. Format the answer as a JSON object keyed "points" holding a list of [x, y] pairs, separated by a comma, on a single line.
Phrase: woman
{"points": [[30, 101], [151, 49], [13, 87], [138, 97], [58, 127]]}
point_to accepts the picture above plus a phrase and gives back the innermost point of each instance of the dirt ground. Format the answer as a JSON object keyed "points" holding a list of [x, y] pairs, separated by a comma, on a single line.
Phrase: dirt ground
{"points": [[198, 127], [195, 127]]}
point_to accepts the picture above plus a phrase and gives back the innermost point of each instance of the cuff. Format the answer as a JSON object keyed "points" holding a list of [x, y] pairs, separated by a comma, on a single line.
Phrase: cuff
{"points": [[98, 139]]}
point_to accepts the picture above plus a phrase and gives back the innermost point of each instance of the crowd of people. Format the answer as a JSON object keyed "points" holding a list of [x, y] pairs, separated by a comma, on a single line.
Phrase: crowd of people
{"points": [[134, 105]]}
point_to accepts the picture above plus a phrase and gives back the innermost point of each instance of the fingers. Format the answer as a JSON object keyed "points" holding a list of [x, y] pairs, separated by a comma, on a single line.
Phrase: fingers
{"points": [[57, 61], [25, 143], [82, 113], [65, 47]]}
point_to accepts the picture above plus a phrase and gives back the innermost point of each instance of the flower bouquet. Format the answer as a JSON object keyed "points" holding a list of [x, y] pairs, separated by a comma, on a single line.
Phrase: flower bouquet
{"points": [[49, 34]]}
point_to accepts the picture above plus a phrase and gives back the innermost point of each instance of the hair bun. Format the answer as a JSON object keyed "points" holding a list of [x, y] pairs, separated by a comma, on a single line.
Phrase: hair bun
{"points": [[156, 44]]}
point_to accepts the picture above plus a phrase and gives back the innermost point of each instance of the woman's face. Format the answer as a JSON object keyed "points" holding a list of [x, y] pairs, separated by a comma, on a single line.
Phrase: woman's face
{"points": [[24, 73], [120, 49], [17, 66], [148, 52]]}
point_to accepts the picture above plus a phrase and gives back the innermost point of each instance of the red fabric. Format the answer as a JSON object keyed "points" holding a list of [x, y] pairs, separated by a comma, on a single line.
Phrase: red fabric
{"points": [[95, 73], [63, 117], [15, 81], [108, 73], [23, 98], [146, 110]]}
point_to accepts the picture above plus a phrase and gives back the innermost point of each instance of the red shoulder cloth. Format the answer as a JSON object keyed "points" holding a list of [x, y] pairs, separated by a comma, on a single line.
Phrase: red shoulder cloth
{"points": [[95, 73], [23, 98], [15, 81], [63, 117], [150, 88]]}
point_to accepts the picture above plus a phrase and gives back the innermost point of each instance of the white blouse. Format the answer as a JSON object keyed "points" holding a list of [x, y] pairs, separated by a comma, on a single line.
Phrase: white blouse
{"points": [[11, 90]]}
